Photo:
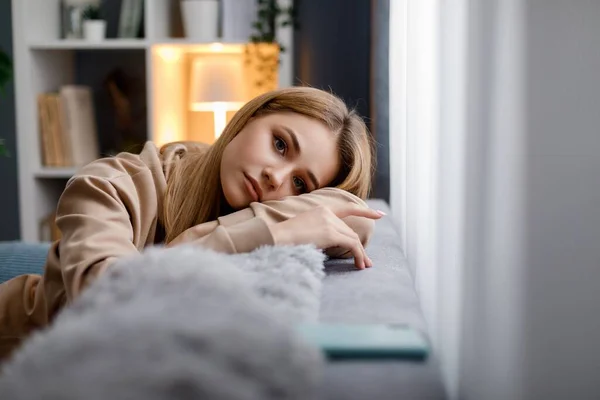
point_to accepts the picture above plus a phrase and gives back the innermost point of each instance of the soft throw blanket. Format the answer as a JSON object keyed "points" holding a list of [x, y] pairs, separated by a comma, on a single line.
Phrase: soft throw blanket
{"points": [[182, 323]]}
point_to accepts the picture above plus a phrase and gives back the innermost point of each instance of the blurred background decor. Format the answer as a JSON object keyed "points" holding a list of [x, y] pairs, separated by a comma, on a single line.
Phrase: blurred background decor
{"points": [[218, 86], [201, 19], [264, 50], [270, 16], [72, 17], [237, 19], [94, 26], [5, 77], [130, 18]]}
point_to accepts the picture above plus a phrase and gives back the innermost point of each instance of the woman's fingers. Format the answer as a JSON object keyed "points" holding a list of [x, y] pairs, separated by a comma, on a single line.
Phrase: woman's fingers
{"points": [[363, 261], [358, 211], [325, 228], [356, 249]]}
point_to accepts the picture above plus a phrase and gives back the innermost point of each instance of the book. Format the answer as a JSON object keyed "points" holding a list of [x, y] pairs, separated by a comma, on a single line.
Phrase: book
{"points": [[79, 124], [54, 146], [55, 131], [46, 153], [67, 126], [66, 159], [130, 18]]}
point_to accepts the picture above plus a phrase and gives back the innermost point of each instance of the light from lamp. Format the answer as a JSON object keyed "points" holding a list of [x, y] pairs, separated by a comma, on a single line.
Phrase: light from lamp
{"points": [[218, 86]]}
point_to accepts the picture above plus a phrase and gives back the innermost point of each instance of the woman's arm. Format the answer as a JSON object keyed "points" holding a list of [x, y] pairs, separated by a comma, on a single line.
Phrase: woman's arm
{"points": [[331, 198], [252, 227], [96, 224], [107, 211]]}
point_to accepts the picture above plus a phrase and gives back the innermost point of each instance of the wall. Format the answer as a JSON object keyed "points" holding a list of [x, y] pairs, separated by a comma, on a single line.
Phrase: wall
{"points": [[9, 206], [563, 206], [532, 276], [380, 94]]}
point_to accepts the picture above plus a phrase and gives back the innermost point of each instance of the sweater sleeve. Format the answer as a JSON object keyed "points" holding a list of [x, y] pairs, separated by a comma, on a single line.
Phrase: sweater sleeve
{"points": [[241, 237], [247, 229], [96, 230], [107, 211]]}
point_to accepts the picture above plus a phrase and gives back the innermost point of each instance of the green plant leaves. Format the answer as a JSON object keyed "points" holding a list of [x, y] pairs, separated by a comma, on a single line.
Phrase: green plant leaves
{"points": [[267, 16], [92, 12], [3, 151]]}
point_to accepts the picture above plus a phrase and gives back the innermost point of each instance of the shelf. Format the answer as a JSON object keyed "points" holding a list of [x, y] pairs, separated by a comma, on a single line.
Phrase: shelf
{"points": [[188, 41], [156, 67], [120, 44], [107, 44], [55, 172]]}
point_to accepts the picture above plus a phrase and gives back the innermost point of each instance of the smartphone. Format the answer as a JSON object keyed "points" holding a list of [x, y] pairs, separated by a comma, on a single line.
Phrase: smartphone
{"points": [[366, 341]]}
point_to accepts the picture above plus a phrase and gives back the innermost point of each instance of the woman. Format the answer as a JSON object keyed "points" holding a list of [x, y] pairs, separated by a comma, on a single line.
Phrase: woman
{"points": [[292, 167]]}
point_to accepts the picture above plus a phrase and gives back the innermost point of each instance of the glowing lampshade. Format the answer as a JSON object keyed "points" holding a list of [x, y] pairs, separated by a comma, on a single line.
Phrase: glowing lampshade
{"points": [[218, 85]]}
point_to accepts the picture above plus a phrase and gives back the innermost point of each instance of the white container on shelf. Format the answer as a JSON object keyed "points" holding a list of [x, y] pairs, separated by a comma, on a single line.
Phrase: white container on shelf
{"points": [[94, 30], [238, 17], [72, 17], [201, 19]]}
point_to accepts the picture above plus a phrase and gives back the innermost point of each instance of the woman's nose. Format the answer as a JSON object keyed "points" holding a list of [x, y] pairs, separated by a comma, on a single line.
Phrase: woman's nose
{"points": [[275, 177]]}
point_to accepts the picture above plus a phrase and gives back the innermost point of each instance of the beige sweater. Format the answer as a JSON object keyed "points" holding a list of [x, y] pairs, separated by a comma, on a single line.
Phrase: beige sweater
{"points": [[112, 208]]}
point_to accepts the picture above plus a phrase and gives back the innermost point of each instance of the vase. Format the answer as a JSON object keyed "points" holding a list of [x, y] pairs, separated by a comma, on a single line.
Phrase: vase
{"points": [[201, 19], [237, 19], [94, 30], [72, 17]]}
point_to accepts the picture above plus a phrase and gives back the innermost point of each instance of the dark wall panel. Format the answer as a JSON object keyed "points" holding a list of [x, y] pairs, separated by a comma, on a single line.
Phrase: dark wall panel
{"points": [[338, 48], [380, 98], [332, 48], [9, 200]]}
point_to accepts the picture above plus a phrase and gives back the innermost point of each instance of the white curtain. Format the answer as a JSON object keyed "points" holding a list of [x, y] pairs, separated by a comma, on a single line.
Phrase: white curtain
{"points": [[494, 165], [455, 112]]}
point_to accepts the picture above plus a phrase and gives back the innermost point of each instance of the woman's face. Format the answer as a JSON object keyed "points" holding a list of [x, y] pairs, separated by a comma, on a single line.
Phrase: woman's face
{"points": [[278, 155]]}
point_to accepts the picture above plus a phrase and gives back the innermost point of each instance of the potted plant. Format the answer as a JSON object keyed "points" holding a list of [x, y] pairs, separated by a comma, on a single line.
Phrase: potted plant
{"points": [[262, 55], [94, 27], [5, 77]]}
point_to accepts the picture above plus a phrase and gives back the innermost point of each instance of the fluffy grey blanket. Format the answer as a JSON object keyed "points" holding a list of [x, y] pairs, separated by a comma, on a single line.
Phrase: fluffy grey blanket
{"points": [[182, 323]]}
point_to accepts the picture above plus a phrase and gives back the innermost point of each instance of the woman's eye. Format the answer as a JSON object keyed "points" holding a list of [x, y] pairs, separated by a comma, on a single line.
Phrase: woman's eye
{"points": [[280, 145], [299, 185]]}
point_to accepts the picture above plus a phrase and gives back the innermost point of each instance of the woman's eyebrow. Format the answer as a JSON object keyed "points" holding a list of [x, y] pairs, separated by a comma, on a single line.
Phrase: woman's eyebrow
{"points": [[294, 136], [314, 180]]}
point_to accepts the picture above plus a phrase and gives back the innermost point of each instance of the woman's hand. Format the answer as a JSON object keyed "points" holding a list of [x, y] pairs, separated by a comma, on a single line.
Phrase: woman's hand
{"points": [[325, 228]]}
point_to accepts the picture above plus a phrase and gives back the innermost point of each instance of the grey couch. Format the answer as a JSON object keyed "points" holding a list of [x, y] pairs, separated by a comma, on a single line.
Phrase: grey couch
{"points": [[382, 294]]}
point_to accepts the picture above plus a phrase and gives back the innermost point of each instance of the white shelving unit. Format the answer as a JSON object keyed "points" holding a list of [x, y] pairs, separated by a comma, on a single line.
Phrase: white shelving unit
{"points": [[108, 44], [44, 62]]}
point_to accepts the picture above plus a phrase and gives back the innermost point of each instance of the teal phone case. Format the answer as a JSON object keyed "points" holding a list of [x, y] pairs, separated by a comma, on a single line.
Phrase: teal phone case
{"points": [[366, 341]]}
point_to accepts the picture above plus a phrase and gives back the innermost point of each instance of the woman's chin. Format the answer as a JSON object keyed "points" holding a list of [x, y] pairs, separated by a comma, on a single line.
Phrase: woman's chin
{"points": [[236, 200]]}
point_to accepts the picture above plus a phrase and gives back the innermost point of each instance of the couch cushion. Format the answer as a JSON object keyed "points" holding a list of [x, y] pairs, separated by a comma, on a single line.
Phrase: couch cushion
{"points": [[18, 258], [384, 293]]}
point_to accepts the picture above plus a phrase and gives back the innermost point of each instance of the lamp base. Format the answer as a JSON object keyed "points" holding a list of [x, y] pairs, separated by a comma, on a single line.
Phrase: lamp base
{"points": [[219, 110], [220, 116]]}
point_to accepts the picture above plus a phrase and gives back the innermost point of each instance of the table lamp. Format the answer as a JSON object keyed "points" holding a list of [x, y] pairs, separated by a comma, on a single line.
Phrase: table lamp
{"points": [[218, 86]]}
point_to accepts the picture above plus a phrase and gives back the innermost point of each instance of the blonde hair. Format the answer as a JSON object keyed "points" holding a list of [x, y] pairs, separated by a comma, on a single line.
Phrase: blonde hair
{"points": [[194, 193]]}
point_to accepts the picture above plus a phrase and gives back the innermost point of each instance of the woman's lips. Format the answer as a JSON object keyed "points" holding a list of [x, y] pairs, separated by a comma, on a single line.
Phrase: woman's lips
{"points": [[252, 188]]}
